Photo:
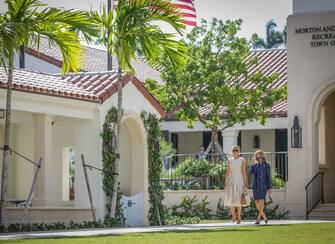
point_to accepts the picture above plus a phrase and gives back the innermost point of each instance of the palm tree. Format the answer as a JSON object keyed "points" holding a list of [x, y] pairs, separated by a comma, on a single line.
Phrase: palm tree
{"points": [[273, 39], [131, 30], [24, 23]]}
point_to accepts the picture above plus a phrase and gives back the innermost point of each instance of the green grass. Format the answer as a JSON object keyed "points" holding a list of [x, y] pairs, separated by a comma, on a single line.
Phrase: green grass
{"points": [[285, 234]]}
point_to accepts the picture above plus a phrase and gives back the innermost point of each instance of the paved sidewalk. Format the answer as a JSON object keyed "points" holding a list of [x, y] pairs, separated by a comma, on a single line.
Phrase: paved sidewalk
{"points": [[129, 230]]}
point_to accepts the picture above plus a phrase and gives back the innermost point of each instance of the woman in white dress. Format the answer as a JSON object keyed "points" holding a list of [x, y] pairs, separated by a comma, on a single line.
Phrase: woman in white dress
{"points": [[236, 183]]}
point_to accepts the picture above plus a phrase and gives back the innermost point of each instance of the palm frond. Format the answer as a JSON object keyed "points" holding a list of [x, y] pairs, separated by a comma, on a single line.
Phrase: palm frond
{"points": [[133, 31]]}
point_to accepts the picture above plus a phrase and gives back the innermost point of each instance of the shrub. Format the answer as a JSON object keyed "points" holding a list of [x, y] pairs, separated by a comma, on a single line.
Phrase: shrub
{"points": [[189, 185], [193, 168], [174, 220], [189, 208], [58, 226], [222, 212], [277, 182], [250, 212], [196, 168]]}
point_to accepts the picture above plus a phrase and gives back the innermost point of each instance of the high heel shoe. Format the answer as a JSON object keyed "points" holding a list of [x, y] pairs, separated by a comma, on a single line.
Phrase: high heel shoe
{"points": [[233, 220], [238, 220], [257, 221], [266, 221]]}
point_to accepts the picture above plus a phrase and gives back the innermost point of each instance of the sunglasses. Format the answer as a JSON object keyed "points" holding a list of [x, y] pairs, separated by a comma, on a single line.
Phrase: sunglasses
{"points": [[235, 150]]}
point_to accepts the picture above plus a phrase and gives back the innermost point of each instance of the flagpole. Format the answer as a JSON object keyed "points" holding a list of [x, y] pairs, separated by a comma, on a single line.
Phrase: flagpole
{"points": [[110, 7]]}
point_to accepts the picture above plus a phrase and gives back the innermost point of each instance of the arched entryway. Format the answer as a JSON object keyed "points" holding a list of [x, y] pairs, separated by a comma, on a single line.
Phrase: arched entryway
{"points": [[326, 145], [133, 169]]}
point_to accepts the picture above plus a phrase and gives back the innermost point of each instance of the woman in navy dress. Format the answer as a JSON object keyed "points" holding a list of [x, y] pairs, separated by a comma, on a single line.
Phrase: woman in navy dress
{"points": [[261, 184]]}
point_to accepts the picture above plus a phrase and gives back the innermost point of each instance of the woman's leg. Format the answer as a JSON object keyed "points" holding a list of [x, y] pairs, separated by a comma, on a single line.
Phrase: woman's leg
{"points": [[259, 211], [239, 210], [233, 217], [262, 205]]}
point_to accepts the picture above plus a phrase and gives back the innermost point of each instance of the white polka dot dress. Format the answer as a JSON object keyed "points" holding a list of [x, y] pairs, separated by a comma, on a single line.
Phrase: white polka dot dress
{"points": [[235, 184]]}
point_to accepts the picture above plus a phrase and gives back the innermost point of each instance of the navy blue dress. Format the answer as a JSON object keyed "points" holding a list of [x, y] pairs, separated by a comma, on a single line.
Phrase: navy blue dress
{"points": [[261, 182]]}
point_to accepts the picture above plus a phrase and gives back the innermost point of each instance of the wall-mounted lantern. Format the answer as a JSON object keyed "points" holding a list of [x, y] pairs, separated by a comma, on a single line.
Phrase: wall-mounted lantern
{"points": [[256, 142], [296, 134]]}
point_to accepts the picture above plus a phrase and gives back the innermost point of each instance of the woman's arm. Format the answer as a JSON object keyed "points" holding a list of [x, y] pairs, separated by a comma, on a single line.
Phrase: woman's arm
{"points": [[227, 175], [244, 172], [252, 167]]}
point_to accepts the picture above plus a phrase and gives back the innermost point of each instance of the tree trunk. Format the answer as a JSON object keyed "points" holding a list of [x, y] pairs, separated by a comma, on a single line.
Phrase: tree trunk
{"points": [[117, 149], [215, 142], [215, 135], [6, 154]]}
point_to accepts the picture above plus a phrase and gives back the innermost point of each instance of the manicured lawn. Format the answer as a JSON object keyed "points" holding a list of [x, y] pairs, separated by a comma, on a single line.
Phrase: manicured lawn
{"points": [[303, 233]]}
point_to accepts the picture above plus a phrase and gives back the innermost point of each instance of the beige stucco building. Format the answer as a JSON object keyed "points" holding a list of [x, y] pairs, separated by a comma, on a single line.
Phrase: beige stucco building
{"points": [[311, 87], [58, 120], [51, 123]]}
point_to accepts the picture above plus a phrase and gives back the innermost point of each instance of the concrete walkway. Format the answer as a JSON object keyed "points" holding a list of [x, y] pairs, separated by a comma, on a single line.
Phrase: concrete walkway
{"points": [[129, 230]]}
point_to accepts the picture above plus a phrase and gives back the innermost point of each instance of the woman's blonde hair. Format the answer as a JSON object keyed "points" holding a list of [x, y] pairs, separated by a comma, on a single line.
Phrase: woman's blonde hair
{"points": [[235, 148], [261, 154]]}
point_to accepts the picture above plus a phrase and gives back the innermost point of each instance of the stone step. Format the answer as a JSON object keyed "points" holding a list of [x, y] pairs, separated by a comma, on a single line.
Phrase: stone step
{"points": [[323, 213], [324, 210], [326, 206], [321, 218]]}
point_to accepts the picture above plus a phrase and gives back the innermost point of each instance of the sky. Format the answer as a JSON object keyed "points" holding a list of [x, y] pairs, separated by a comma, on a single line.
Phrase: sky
{"points": [[255, 13]]}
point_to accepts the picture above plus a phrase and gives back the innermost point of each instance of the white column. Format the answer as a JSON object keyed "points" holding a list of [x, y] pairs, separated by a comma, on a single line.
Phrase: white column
{"points": [[44, 192], [229, 139]]}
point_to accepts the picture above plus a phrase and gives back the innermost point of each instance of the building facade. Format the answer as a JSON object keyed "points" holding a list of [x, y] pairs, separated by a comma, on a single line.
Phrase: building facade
{"points": [[311, 86]]}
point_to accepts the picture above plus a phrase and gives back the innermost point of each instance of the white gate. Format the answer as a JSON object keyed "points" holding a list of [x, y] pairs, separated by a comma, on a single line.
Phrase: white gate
{"points": [[133, 209]]}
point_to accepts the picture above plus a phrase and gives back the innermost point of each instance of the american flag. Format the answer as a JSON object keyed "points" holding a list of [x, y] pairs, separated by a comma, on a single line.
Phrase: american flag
{"points": [[187, 10]]}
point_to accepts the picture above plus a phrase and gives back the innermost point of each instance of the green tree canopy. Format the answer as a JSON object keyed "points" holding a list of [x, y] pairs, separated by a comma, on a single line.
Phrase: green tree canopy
{"points": [[214, 86]]}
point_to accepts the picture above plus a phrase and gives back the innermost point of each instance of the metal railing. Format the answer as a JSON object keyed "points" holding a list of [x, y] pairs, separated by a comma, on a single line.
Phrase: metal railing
{"points": [[314, 193], [196, 172]]}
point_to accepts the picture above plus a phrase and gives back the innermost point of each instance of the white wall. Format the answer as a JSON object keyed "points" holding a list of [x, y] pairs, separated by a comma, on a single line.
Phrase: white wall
{"points": [[181, 126], [62, 136], [133, 101], [20, 171], [308, 6], [23, 169], [322, 136], [189, 142], [27, 103], [88, 142], [267, 139]]}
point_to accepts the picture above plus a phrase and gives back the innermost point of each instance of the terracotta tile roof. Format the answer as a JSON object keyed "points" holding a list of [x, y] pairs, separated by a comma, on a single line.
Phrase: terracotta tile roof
{"points": [[269, 62], [104, 85], [95, 60], [34, 82], [92, 87]]}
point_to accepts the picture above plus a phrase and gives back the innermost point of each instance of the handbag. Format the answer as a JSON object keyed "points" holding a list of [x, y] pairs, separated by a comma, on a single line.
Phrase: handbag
{"points": [[245, 199]]}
